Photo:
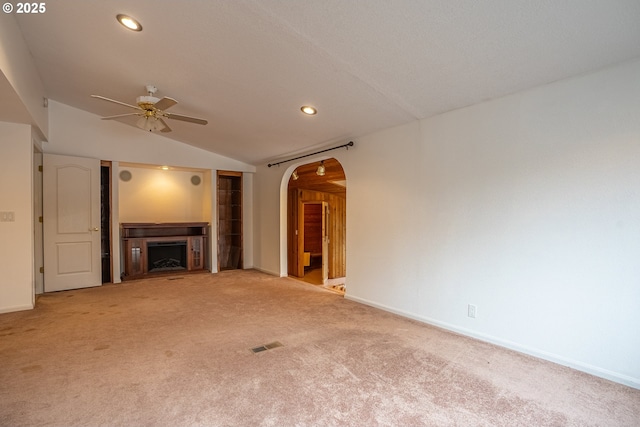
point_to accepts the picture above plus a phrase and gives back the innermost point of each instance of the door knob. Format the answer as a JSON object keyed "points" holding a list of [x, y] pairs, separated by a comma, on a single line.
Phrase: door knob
{"points": [[94, 229]]}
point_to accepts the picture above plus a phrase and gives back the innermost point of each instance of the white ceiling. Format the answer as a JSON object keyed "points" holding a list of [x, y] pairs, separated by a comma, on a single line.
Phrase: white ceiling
{"points": [[248, 65]]}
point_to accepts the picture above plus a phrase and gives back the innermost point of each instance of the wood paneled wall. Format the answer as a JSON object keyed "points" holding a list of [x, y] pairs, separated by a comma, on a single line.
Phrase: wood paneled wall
{"points": [[337, 230], [313, 228]]}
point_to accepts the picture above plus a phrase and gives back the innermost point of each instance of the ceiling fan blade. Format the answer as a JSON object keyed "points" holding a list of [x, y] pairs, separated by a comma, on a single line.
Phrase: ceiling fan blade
{"points": [[117, 116], [165, 103], [186, 118], [116, 102], [166, 127]]}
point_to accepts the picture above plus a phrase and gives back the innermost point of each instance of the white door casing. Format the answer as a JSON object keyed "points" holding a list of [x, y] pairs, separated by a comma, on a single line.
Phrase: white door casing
{"points": [[71, 211], [38, 239]]}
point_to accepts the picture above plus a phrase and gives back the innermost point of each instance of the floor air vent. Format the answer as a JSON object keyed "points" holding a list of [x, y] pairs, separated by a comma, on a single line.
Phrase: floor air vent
{"points": [[266, 347]]}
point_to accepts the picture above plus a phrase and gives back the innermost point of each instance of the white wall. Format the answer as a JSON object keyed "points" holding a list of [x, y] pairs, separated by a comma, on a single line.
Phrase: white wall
{"points": [[525, 206], [17, 65], [266, 221], [155, 195], [21, 101], [247, 219], [16, 238]]}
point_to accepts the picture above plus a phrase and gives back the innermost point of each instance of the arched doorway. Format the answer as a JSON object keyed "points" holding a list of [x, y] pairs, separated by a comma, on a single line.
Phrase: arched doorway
{"points": [[316, 224]]}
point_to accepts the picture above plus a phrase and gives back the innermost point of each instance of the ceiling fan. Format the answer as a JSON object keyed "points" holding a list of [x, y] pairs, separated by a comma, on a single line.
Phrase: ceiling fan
{"points": [[151, 111]]}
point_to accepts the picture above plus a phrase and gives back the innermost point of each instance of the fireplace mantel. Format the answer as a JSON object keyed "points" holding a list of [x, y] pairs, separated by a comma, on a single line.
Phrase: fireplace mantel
{"points": [[137, 238]]}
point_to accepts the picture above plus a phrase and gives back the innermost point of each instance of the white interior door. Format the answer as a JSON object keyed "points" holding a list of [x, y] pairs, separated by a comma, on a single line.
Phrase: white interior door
{"points": [[71, 211]]}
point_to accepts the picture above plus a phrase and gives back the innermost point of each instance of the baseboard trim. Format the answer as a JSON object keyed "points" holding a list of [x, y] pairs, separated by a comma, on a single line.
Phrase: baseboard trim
{"points": [[560, 360], [16, 308], [272, 273]]}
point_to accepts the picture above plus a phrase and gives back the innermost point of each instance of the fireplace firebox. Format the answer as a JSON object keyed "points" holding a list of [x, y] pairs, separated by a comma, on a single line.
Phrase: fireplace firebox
{"points": [[166, 256]]}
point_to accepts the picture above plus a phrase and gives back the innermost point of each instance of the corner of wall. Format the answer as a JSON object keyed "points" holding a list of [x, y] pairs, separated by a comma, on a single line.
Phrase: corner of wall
{"points": [[16, 186]]}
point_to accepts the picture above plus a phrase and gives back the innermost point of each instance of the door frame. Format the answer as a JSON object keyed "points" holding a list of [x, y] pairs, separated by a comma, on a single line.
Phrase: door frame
{"points": [[38, 232], [108, 164], [289, 260], [324, 235]]}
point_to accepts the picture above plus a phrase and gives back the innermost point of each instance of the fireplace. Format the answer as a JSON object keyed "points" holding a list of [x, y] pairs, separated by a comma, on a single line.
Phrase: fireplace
{"points": [[166, 256], [164, 248]]}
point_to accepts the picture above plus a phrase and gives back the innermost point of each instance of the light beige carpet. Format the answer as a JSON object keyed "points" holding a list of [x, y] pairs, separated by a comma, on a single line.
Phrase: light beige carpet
{"points": [[164, 352]]}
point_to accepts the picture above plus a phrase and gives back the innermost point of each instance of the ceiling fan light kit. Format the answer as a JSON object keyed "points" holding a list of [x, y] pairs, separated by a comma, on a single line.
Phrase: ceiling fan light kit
{"points": [[151, 124], [151, 111]]}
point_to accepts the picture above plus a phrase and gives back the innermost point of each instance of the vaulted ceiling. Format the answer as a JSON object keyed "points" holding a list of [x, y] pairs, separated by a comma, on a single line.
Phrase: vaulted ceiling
{"points": [[247, 66]]}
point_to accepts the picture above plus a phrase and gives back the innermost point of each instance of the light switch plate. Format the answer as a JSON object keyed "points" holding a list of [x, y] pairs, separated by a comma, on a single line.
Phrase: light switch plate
{"points": [[7, 216]]}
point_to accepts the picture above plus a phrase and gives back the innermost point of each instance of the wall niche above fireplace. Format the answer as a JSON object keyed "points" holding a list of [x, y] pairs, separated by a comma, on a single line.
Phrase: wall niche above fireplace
{"points": [[165, 248]]}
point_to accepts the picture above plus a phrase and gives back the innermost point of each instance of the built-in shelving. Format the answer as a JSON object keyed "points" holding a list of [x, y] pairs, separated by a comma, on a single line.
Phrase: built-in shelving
{"points": [[229, 220]]}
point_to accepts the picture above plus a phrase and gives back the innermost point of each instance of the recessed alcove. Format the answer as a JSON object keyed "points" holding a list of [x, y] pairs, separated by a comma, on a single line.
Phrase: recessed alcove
{"points": [[165, 214]]}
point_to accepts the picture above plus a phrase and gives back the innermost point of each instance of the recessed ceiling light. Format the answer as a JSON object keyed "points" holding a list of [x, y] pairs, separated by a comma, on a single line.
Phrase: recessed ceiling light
{"points": [[308, 110], [129, 22], [165, 168]]}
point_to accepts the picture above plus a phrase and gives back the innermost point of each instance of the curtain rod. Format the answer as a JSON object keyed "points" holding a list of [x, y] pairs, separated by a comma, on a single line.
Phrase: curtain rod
{"points": [[347, 145]]}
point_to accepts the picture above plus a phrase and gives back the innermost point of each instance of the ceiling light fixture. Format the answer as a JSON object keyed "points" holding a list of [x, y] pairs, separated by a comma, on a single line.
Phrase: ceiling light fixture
{"points": [[321, 169], [165, 168], [294, 175], [150, 123], [129, 22], [308, 110]]}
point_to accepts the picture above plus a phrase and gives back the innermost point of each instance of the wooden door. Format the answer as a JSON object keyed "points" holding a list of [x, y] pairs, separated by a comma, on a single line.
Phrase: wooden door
{"points": [[71, 212], [292, 233], [325, 242], [300, 239]]}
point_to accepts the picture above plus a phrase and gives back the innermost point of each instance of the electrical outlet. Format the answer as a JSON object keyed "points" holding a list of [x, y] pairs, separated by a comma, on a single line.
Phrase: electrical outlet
{"points": [[471, 311]]}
